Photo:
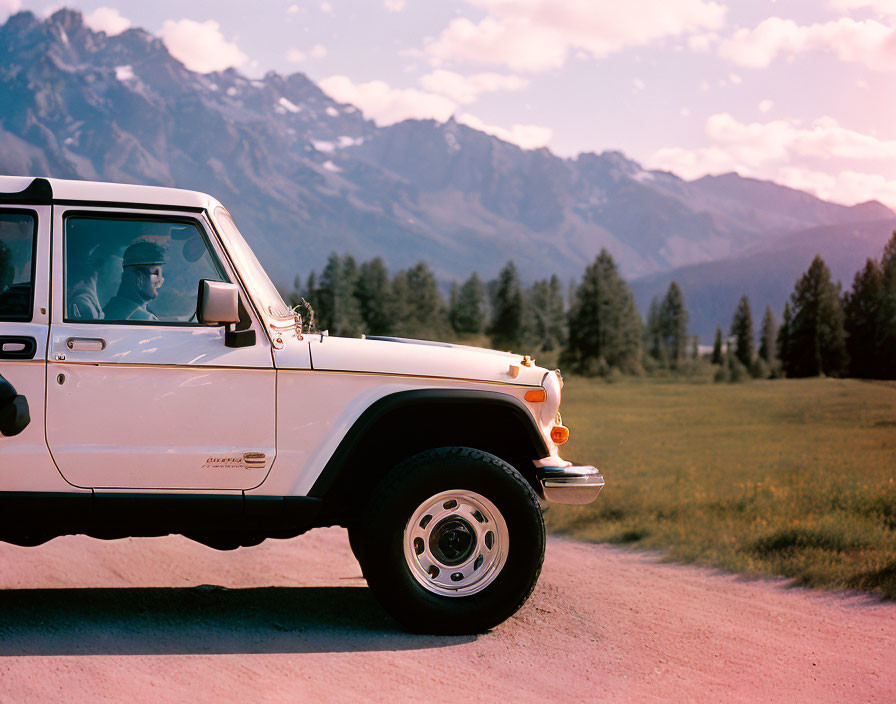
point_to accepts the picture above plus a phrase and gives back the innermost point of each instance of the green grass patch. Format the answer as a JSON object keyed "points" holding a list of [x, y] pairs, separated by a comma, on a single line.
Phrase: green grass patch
{"points": [[787, 477]]}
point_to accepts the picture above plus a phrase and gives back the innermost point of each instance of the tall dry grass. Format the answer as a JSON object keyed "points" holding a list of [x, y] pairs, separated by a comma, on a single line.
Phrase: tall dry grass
{"points": [[787, 477]]}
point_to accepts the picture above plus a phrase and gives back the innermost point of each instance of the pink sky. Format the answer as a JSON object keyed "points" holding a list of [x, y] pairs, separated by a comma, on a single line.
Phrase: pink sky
{"points": [[796, 91]]}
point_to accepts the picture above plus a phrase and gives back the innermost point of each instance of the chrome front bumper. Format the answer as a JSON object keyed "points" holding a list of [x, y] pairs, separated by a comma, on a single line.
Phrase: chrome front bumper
{"points": [[571, 485]]}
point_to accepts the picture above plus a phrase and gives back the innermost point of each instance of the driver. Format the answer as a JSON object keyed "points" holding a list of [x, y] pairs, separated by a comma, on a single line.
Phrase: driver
{"points": [[141, 279]]}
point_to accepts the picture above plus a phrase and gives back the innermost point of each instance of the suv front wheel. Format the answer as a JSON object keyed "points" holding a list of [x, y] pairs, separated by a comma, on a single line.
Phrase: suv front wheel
{"points": [[452, 541]]}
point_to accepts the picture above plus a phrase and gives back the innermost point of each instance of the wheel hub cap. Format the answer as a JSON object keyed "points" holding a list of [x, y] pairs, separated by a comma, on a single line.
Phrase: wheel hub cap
{"points": [[456, 543], [452, 541]]}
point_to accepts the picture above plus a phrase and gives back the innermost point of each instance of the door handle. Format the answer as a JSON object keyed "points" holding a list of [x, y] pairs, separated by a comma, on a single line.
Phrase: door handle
{"points": [[17, 347], [85, 344]]}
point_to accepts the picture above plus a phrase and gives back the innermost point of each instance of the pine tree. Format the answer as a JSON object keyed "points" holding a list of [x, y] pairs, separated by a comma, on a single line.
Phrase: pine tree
{"points": [[544, 320], [416, 308], [374, 292], [326, 293], [310, 286], [717, 346], [398, 306], [782, 343], [886, 347], [862, 311], [453, 295], [506, 329], [469, 311], [768, 336], [816, 339], [742, 332], [673, 325], [888, 263], [653, 334], [603, 320], [336, 307]]}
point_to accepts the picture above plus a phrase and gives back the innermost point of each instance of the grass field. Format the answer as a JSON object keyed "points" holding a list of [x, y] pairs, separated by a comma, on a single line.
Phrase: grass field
{"points": [[786, 477]]}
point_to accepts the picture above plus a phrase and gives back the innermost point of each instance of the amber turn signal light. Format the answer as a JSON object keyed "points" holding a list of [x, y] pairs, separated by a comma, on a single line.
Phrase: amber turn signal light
{"points": [[536, 395], [559, 434]]}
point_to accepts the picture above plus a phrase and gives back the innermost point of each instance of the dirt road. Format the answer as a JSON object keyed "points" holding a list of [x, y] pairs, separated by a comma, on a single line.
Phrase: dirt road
{"points": [[289, 621]]}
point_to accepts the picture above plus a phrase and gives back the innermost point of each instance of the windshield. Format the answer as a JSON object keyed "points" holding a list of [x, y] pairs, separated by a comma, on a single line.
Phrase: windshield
{"points": [[261, 288]]}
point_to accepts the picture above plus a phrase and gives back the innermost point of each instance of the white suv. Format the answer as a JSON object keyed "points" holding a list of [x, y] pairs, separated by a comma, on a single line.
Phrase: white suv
{"points": [[153, 381]]}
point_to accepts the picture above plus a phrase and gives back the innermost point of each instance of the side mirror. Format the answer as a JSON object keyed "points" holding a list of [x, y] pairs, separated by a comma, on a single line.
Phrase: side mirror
{"points": [[14, 415], [218, 303]]}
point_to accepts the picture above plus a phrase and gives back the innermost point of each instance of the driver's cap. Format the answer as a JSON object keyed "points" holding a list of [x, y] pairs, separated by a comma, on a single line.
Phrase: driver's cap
{"points": [[143, 253]]}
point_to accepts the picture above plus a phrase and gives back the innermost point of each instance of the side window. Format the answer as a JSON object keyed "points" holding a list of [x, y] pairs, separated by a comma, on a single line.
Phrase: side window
{"points": [[135, 270], [17, 234]]}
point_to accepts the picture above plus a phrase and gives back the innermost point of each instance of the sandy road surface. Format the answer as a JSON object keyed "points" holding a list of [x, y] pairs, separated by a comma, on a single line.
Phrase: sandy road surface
{"points": [[129, 620]]}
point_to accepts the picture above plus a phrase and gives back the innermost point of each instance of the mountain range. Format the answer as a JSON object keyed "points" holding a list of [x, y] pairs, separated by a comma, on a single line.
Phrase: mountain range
{"points": [[305, 175]]}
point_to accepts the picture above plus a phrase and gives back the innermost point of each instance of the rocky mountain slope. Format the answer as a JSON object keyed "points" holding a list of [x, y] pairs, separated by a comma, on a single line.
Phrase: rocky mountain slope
{"points": [[305, 175]]}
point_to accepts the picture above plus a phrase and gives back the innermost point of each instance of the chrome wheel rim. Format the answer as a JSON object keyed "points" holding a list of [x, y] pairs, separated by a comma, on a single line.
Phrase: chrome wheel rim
{"points": [[455, 543]]}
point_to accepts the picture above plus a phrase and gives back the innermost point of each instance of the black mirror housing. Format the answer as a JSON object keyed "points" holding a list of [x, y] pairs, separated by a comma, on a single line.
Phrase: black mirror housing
{"points": [[14, 413]]}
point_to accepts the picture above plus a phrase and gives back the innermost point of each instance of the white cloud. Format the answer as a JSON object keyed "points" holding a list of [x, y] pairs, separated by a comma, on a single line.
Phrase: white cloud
{"points": [[297, 56], [108, 20], [394, 5], [525, 136], [693, 163], [386, 105], [848, 187], [703, 42], [293, 10], [868, 42], [467, 89], [638, 84], [200, 46], [48, 11], [8, 8], [825, 158], [779, 139], [326, 8], [735, 79], [766, 105], [537, 35], [881, 7]]}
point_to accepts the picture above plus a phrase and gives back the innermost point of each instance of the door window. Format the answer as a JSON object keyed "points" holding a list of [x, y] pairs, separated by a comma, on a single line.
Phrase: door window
{"points": [[17, 235], [135, 270]]}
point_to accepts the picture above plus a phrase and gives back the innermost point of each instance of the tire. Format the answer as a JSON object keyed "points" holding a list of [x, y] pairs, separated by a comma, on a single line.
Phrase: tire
{"points": [[354, 539], [452, 541]]}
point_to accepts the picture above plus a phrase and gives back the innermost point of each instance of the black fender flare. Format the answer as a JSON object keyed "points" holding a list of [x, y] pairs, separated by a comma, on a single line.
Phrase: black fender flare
{"points": [[420, 400]]}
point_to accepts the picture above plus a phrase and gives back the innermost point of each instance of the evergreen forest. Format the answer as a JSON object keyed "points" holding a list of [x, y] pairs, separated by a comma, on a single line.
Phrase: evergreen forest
{"points": [[592, 326]]}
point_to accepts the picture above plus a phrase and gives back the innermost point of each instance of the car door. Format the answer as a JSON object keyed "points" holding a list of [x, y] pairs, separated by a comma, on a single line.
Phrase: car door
{"points": [[140, 395], [25, 462]]}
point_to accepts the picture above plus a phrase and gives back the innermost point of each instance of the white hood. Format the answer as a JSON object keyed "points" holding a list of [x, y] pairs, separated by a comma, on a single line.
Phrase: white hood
{"points": [[420, 358]]}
